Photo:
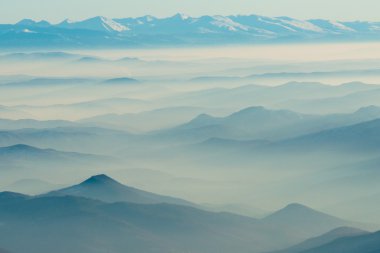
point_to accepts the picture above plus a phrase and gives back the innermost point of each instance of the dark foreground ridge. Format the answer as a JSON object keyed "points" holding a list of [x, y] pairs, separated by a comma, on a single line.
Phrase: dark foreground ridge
{"points": [[103, 215]]}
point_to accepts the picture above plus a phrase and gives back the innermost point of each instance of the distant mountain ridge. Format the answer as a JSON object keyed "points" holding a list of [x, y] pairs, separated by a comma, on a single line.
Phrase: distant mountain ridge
{"points": [[261, 123], [103, 188], [181, 29], [22, 151]]}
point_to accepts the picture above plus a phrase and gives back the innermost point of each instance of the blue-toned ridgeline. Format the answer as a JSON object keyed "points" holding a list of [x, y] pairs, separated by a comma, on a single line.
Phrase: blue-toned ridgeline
{"points": [[181, 30]]}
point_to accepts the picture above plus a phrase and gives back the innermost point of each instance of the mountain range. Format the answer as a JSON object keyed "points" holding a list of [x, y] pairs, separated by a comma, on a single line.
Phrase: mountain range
{"points": [[260, 123], [360, 141], [181, 29], [76, 220], [285, 96]]}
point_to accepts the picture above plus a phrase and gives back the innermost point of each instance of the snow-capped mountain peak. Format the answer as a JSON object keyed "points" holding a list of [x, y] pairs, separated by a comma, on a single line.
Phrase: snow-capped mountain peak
{"points": [[184, 29], [97, 23]]}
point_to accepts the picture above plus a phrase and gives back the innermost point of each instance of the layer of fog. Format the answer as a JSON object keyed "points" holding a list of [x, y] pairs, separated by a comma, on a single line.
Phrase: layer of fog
{"points": [[130, 126]]}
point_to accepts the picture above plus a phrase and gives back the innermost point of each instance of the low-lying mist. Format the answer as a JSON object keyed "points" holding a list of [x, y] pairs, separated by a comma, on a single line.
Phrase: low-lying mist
{"points": [[239, 129]]}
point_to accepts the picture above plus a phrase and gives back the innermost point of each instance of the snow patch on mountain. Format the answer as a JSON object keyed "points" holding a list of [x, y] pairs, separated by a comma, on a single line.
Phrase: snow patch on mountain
{"points": [[96, 23], [301, 24], [225, 22], [341, 26]]}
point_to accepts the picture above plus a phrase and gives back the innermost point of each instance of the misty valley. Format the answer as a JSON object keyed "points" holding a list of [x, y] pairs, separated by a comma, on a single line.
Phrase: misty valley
{"points": [[260, 149]]}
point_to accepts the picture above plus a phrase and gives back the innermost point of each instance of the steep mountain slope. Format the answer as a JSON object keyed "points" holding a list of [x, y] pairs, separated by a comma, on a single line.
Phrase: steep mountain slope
{"points": [[357, 244], [104, 188], [324, 239]]}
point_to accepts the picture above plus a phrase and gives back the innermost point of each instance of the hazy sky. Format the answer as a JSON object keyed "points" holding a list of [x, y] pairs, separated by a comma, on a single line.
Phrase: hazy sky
{"points": [[57, 10]]}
